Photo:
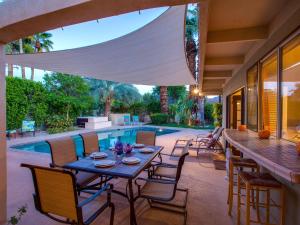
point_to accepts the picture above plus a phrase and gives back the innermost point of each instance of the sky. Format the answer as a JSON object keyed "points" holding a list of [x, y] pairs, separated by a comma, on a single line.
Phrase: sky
{"points": [[94, 32]]}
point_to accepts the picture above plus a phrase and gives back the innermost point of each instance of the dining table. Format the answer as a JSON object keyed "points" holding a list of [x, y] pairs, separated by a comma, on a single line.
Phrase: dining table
{"points": [[119, 170]]}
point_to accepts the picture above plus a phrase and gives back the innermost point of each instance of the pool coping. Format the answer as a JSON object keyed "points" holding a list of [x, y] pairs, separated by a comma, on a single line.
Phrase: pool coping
{"points": [[12, 143]]}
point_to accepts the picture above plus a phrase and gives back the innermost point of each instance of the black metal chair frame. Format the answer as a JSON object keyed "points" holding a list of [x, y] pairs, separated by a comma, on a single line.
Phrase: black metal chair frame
{"points": [[79, 205], [164, 203], [216, 147]]}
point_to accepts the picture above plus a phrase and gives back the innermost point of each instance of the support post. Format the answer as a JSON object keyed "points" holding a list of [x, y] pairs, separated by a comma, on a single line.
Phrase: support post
{"points": [[3, 169]]}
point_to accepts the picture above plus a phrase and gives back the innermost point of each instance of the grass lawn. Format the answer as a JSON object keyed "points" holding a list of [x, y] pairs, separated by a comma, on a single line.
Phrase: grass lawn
{"points": [[207, 127]]}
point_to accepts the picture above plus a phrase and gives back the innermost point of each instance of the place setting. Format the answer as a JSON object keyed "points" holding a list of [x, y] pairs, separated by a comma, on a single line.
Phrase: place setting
{"points": [[131, 160], [98, 155], [146, 150]]}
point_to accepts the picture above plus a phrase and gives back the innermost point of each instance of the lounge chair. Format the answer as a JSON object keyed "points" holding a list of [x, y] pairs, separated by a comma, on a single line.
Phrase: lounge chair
{"points": [[90, 143], [168, 169], [127, 121], [55, 196], [210, 134], [136, 120], [27, 127], [160, 192], [211, 145], [146, 138], [62, 152]]}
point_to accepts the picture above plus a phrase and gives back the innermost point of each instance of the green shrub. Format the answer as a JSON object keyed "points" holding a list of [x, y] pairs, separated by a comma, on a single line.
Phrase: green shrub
{"points": [[137, 108], [119, 107], [25, 99], [58, 124], [159, 118], [208, 113], [217, 114]]}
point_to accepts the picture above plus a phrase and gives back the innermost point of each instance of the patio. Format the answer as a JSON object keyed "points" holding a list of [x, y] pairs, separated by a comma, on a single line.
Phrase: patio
{"points": [[207, 196]]}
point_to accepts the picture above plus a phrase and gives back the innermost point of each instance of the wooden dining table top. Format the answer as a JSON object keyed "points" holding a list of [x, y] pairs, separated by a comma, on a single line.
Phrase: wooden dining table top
{"points": [[119, 169]]}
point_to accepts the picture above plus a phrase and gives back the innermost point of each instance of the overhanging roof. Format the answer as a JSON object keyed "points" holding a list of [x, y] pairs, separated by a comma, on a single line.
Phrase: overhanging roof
{"points": [[152, 55]]}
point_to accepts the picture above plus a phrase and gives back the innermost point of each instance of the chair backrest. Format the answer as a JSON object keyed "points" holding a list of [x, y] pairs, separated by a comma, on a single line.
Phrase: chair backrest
{"points": [[218, 134], [62, 151], [135, 119], [146, 137], [180, 165], [184, 148], [55, 193], [126, 119], [215, 130], [28, 125], [90, 143]]}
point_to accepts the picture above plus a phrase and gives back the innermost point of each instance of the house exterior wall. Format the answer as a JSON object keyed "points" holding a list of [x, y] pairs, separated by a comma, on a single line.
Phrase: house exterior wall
{"points": [[278, 34]]}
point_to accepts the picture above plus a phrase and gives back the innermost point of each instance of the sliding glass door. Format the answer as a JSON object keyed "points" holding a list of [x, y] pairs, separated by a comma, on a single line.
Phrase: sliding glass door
{"points": [[252, 98]]}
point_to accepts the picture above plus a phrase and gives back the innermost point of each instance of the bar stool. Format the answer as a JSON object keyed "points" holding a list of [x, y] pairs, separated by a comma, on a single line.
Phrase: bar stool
{"points": [[238, 163], [261, 182]]}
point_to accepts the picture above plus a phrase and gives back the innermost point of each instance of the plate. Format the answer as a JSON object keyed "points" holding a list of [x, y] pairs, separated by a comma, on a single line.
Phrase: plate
{"points": [[98, 155], [138, 145], [104, 163], [146, 150], [131, 160]]}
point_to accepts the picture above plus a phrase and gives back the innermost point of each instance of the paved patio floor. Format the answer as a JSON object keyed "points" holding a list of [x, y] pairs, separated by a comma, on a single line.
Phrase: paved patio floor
{"points": [[206, 203]]}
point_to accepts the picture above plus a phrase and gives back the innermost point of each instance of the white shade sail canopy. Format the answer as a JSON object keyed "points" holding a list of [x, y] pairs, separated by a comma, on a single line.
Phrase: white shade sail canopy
{"points": [[152, 55]]}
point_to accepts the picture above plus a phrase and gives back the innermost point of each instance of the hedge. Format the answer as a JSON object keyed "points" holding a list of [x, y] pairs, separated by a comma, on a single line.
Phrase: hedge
{"points": [[159, 118]]}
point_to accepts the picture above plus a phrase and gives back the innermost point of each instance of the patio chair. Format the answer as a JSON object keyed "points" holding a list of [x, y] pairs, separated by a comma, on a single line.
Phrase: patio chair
{"points": [[168, 170], [55, 196], [127, 121], [90, 143], [146, 138], [210, 134], [213, 144], [63, 152], [135, 120], [27, 127], [161, 192]]}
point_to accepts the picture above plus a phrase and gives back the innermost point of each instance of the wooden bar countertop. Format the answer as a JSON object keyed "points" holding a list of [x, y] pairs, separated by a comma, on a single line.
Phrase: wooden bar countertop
{"points": [[278, 156]]}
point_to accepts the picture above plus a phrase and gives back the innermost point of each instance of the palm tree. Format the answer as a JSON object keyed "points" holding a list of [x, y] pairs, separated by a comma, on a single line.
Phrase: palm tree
{"points": [[107, 91], [191, 37], [39, 42], [163, 93]]}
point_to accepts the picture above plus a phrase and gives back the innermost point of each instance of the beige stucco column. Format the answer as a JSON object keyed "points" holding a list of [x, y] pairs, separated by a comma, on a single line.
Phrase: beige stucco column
{"points": [[3, 182]]}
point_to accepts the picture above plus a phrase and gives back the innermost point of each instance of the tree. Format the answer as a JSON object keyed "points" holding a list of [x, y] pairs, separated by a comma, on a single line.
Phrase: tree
{"points": [[68, 95], [39, 42], [11, 48], [163, 90], [107, 91]]}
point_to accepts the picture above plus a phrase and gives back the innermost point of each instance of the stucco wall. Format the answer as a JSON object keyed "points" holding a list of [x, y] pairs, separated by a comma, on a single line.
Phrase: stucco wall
{"points": [[263, 48], [279, 33]]}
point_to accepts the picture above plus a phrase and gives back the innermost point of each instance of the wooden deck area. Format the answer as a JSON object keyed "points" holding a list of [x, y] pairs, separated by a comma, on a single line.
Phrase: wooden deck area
{"points": [[278, 156]]}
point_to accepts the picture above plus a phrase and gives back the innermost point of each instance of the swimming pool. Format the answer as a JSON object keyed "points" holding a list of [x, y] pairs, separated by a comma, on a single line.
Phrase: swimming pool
{"points": [[106, 139]]}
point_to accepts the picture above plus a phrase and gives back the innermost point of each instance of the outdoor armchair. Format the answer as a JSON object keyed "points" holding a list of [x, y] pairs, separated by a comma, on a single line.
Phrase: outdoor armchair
{"points": [[161, 192], [146, 138], [90, 143], [168, 169], [135, 120], [63, 152], [212, 144], [56, 197], [27, 127]]}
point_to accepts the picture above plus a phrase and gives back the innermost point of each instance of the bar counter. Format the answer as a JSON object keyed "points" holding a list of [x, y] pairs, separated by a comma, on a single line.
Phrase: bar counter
{"points": [[278, 156]]}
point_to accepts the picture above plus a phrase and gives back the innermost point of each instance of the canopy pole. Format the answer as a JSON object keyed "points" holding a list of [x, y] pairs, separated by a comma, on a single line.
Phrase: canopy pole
{"points": [[3, 168]]}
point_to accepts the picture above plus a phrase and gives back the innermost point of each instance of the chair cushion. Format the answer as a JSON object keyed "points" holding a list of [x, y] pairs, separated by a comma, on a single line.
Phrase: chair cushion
{"points": [[158, 191], [259, 179], [84, 178], [166, 172]]}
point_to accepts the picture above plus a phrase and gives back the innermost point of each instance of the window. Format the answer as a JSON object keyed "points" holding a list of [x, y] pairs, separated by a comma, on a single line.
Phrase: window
{"points": [[252, 98], [291, 90], [269, 93]]}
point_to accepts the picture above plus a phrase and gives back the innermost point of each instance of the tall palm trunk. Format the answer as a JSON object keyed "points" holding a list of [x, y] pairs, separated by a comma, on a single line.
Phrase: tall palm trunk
{"points": [[10, 70], [191, 50], [107, 106], [164, 99], [21, 52]]}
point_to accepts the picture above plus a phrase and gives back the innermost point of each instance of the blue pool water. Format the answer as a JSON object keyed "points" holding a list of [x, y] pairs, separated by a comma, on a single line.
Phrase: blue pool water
{"points": [[106, 139]]}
